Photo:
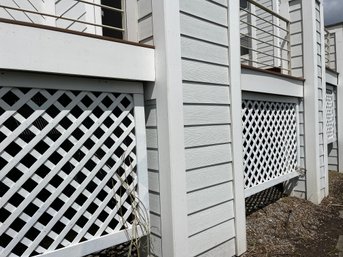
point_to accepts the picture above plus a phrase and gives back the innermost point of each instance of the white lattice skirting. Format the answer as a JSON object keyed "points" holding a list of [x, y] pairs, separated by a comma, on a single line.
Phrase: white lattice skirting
{"points": [[269, 143], [68, 168]]}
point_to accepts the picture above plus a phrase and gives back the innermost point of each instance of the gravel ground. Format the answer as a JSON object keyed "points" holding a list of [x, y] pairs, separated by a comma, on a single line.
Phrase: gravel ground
{"points": [[295, 227]]}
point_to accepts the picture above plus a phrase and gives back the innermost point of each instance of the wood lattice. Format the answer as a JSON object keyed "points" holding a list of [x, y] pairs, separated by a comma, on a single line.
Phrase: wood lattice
{"points": [[67, 161], [330, 116], [269, 140]]}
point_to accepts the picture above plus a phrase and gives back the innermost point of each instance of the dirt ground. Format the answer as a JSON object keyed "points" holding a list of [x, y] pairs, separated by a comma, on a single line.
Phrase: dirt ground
{"points": [[295, 227]]}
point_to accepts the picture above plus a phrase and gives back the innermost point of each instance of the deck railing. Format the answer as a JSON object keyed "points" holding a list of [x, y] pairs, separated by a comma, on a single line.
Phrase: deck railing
{"points": [[99, 17], [265, 38]]}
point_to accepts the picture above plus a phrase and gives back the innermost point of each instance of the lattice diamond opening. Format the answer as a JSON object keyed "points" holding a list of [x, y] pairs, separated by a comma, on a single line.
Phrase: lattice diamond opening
{"points": [[68, 168], [330, 116], [269, 140]]}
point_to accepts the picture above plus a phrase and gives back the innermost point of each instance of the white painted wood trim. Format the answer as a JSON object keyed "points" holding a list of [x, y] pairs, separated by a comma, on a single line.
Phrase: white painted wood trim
{"points": [[331, 77], [25, 48], [93, 245], [169, 105], [51, 81], [141, 153], [236, 125], [262, 82], [311, 102], [270, 98], [253, 190]]}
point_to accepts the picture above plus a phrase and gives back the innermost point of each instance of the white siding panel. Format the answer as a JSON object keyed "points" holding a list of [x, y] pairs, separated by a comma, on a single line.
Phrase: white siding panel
{"points": [[211, 238], [152, 156], [205, 10], [206, 156], [209, 176], [226, 249], [210, 217], [208, 197], [145, 29], [204, 30], [204, 51], [205, 94], [204, 72], [207, 135], [144, 8], [206, 114]]}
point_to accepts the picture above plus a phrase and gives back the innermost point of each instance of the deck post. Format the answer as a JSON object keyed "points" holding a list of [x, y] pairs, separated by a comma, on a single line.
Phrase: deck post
{"points": [[236, 126], [314, 95], [169, 105]]}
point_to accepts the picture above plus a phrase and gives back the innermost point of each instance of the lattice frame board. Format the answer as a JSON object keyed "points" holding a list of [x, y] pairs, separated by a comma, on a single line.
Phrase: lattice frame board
{"points": [[271, 144], [73, 164], [331, 125]]}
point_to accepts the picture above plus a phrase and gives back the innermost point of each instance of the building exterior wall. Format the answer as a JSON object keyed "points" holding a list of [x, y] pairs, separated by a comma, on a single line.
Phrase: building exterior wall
{"points": [[296, 18], [205, 74], [145, 22]]}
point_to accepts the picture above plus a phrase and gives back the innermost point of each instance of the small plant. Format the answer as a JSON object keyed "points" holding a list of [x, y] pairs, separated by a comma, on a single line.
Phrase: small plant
{"points": [[140, 225]]}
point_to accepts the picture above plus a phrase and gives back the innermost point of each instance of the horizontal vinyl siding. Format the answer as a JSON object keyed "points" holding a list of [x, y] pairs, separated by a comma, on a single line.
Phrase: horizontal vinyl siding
{"points": [[21, 16], [333, 156], [300, 189], [296, 38], [145, 22], [321, 95], [153, 175], [205, 74], [263, 33], [333, 52]]}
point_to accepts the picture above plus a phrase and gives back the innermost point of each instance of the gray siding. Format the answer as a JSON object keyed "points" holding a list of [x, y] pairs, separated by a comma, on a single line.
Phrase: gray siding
{"points": [[333, 156], [204, 42], [145, 35], [300, 189], [321, 108], [153, 173], [20, 16], [145, 25], [263, 33], [295, 7], [332, 52]]}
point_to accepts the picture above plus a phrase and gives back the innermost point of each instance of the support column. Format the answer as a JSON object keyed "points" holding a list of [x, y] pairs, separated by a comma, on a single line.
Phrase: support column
{"points": [[169, 105], [236, 125], [314, 101]]}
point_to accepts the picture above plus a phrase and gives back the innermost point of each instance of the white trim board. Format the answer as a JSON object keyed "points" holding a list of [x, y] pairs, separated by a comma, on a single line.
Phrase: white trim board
{"points": [[254, 190], [43, 50], [262, 82], [331, 77], [61, 82]]}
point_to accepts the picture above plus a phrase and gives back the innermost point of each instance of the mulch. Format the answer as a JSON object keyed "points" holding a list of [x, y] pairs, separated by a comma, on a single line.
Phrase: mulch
{"points": [[295, 227]]}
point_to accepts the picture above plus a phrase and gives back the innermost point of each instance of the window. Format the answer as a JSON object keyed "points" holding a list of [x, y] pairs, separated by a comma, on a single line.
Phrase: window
{"points": [[112, 18]]}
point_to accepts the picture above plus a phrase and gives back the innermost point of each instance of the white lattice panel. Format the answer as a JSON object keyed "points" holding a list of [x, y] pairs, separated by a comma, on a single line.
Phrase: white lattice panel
{"points": [[68, 168], [269, 141], [330, 116]]}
